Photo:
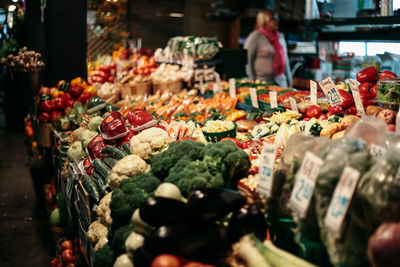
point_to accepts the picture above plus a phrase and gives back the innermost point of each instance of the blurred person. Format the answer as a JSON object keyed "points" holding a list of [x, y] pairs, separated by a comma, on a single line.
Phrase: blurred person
{"points": [[266, 51]]}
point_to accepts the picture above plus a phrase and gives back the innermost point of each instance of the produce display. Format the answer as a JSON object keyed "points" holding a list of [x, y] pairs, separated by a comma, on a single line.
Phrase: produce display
{"points": [[24, 61], [186, 179]]}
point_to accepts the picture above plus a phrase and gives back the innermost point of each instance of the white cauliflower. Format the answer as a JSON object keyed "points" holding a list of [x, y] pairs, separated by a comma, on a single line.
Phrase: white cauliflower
{"points": [[133, 242], [149, 141], [102, 241], [103, 210], [127, 167], [96, 231]]}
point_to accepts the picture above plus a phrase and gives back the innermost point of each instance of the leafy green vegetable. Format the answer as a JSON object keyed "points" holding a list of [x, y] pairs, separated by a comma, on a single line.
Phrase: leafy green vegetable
{"points": [[104, 257], [389, 92]]}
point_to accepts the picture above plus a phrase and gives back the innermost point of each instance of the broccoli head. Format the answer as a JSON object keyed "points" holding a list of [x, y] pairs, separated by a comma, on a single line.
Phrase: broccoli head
{"points": [[104, 257], [162, 162], [125, 199], [119, 237], [147, 181], [236, 165], [215, 153]]}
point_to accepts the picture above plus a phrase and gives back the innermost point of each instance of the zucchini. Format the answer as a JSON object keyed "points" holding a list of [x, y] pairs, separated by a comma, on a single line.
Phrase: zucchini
{"points": [[100, 186], [110, 162], [101, 169], [90, 187], [127, 148], [98, 176], [114, 152]]}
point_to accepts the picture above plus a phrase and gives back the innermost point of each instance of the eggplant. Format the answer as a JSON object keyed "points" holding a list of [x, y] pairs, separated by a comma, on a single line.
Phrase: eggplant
{"points": [[212, 204], [158, 211], [248, 219], [185, 240], [141, 257]]}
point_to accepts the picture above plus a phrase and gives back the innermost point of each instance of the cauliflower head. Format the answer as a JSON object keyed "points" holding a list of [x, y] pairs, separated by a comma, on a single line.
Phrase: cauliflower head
{"points": [[96, 231], [101, 243], [127, 167], [103, 210], [149, 141]]}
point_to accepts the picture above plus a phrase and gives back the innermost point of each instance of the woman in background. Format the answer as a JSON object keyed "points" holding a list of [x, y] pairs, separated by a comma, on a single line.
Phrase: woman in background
{"points": [[267, 53]]}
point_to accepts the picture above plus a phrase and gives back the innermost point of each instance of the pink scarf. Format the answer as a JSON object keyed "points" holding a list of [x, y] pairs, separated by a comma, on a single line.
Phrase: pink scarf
{"points": [[279, 57]]}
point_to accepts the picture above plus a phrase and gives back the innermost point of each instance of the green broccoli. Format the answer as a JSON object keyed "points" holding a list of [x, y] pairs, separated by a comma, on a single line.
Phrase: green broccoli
{"points": [[125, 199], [147, 181], [215, 153], [162, 162], [104, 257], [119, 237], [236, 165]]}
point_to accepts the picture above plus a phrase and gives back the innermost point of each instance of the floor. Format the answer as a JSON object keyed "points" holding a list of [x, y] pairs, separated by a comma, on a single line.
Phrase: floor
{"points": [[25, 238]]}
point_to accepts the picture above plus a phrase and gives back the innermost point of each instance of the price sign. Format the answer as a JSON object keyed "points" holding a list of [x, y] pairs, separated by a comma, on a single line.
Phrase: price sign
{"points": [[304, 184], [202, 89], [376, 151], [331, 92], [356, 96], [232, 88], [341, 199], [313, 92], [293, 104], [218, 82], [198, 74], [208, 74], [273, 98], [253, 97], [266, 171]]}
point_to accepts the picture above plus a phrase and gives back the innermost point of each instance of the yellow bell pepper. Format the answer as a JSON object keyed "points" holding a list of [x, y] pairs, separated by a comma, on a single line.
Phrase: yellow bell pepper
{"points": [[77, 80], [90, 89], [235, 115], [58, 94]]}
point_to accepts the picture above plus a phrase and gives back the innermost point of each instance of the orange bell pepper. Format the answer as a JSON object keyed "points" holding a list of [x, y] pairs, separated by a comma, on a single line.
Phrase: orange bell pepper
{"points": [[235, 115], [77, 80], [90, 89], [58, 94]]}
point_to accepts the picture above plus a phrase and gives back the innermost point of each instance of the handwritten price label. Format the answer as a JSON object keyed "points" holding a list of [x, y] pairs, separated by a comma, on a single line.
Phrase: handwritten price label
{"points": [[304, 184], [218, 82], [253, 97], [376, 151], [331, 92], [273, 97], [266, 172], [313, 92], [341, 199], [202, 90], [356, 96], [293, 104], [232, 88]]}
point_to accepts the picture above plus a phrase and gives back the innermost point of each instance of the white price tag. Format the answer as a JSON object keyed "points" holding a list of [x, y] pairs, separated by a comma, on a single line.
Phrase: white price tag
{"points": [[218, 82], [266, 171], [331, 92], [304, 184], [376, 151], [273, 99], [313, 92], [341, 199], [198, 74], [208, 75], [232, 88], [253, 97], [356, 96], [293, 104], [398, 122], [202, 89]]}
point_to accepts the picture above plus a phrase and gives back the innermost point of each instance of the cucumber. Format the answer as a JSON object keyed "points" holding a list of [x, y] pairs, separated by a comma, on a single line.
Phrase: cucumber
{"points": [[110, 162], [100, 186], [90, 187], [127, 148], [101, 169], [114, 152], [97, 176]]}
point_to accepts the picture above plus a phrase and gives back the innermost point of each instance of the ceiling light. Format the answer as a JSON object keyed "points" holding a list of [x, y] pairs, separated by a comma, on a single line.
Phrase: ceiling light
{"points": [[11, 8], [176, 15], [15, 1]]}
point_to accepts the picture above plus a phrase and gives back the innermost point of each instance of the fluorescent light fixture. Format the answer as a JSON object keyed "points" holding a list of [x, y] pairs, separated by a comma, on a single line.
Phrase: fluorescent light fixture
{"points": [[15, 1], [11, 8], [176, 15]]}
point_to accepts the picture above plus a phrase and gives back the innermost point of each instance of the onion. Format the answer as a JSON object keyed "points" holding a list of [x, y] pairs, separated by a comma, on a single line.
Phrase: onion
{"points": [[384, 245]]}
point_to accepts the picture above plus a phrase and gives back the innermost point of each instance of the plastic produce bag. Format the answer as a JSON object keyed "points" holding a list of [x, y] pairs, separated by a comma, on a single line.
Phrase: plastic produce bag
{"points": [[369, 128]]}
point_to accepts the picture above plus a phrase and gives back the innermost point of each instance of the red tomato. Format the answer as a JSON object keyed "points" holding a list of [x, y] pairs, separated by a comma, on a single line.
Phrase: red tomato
{"points": [[237, 142], [387, 75], [247, 144], [67, 256], [363, 88], [373, 89], [166, 260], [54, 262], [66, 244], [110, 79], [351, 111], [306, 119], [347, 98], [314, 111], [323, 117], [369, 74], [335, 110]]}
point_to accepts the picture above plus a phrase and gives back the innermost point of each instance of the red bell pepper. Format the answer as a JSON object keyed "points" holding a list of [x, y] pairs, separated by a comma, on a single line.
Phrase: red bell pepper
{"points": [[369, 74], [110, 79], [335, 110], [67, 100], [56, 115], [314, 111], [373, 89], [75, 90], [323, 117], [364, 88], [128, 137], [113, 126], [138, 117], [347, 98], [87, 166], [367, 101], [44, 117], [58, 104], [351, 111], [47, 106], [95, 146], [387, 75], [84, 97]]}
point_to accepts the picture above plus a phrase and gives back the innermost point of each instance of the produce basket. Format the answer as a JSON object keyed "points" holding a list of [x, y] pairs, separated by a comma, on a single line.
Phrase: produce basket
{"points": [[126, 90], [44, 138], [281, 231], [141, 88], [174, 87], [216, 137]]}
